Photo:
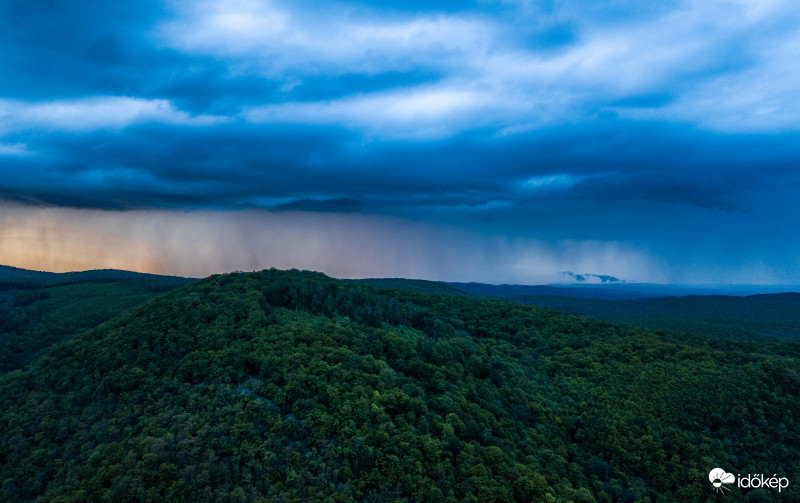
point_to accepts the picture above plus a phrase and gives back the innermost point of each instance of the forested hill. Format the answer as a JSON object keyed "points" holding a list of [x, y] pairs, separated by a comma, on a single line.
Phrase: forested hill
{"points": [[291, 386], [41, 309], [750, 317], [754, 317], [16, 278]]}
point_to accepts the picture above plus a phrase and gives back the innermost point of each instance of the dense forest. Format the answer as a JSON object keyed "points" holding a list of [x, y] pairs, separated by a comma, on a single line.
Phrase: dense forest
{"points": [[292, 386], [761, 316], [41, 309]]}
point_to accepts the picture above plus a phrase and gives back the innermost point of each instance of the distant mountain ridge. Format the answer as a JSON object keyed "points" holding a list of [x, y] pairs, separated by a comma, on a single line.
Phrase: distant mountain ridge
{"points": [[96, 294], [622, 290], [9, 274], [609, 287], [41, 309], [733, 312]]}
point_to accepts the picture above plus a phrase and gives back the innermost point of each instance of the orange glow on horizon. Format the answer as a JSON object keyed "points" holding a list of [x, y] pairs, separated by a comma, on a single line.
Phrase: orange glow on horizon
{"points": [[59, 240], [201, 243]]}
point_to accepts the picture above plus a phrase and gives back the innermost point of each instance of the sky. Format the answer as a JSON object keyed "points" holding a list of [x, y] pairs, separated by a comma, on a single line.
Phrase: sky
{"points": [[502, 141]]}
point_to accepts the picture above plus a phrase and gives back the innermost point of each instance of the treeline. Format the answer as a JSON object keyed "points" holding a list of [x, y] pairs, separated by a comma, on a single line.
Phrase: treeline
{"points": [[36, 316]]}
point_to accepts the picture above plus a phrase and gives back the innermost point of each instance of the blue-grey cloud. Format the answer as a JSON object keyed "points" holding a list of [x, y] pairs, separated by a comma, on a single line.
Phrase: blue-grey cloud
{"points": [[650, 123]]}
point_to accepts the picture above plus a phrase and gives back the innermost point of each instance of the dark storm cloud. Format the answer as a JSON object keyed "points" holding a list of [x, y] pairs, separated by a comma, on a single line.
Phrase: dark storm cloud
{"points": [[242, 165], [56, 49], [565, 120]]}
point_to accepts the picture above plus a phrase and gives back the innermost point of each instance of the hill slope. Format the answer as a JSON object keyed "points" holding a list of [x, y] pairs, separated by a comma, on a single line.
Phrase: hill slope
{"points": [[41, 309], [291, 386], [16, 278], [763, 316], [760, 316]]}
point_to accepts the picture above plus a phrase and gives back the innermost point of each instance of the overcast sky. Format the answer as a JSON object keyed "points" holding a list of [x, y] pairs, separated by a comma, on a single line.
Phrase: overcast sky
{"points": [[496, 141]]}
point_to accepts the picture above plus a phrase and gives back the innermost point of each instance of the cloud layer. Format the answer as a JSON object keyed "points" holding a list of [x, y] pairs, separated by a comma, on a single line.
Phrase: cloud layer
{"points": [[666, 126]]}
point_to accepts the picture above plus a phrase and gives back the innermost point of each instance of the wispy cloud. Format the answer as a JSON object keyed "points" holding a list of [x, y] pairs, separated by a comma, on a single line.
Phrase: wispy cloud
{"points": [[112, 112], [17, 149], [551, 182], [688, 52], [421, 112], [273, 38]]}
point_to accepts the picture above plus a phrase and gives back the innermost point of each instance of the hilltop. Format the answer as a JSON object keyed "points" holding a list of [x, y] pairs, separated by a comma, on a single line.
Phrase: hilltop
{"points": [[41, 309]]}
